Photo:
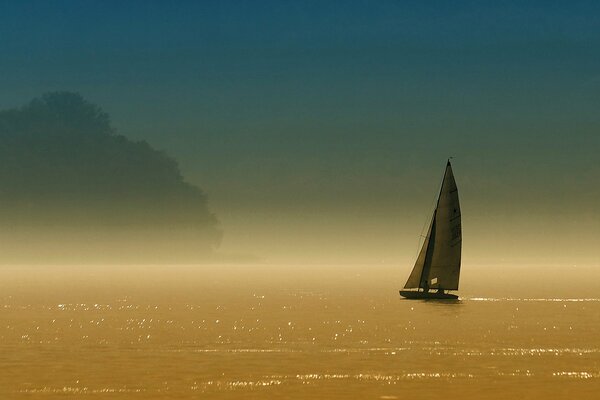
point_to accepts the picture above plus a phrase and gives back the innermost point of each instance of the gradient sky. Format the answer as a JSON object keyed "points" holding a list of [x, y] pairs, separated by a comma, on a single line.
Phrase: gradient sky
{"points": [[320, 129]]}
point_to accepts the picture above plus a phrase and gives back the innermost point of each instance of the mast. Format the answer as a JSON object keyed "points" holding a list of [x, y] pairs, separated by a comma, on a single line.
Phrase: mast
{"points": [[438, 263], [444, 269]]}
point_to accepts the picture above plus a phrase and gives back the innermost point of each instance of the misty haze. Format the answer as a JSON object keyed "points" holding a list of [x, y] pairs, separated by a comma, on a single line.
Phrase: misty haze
{"points": [[267, 199], [74, 191]]}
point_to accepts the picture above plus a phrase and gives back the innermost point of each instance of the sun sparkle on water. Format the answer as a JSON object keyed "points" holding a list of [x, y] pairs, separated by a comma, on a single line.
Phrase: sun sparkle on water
{"points": [[181, 332]]}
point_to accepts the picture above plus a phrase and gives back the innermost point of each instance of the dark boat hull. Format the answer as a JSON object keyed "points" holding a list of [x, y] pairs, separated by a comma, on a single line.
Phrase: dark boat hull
{"points": [[414, 295]]}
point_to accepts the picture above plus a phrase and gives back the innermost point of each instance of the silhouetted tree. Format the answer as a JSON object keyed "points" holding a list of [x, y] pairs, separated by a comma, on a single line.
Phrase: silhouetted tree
{"points": [[62, 164]]}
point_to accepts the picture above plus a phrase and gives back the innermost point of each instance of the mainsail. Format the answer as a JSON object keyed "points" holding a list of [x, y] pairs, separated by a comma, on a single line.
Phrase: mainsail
{"points": [[438, 263]]}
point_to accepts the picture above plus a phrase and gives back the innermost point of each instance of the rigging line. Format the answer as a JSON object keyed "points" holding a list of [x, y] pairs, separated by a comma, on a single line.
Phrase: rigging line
{"points": [[431, 209], [423, 233]]}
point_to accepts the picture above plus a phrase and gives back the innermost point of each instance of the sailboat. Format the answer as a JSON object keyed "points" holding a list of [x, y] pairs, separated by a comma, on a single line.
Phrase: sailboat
{"points": [[437, 268]]}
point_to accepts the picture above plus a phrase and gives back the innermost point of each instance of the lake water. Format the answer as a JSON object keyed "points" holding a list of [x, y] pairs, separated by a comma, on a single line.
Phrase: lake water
{"points": [[295, 332]]}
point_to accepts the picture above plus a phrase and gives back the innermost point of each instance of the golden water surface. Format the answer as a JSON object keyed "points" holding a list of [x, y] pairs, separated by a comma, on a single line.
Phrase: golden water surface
{"points": [[271, 331]]}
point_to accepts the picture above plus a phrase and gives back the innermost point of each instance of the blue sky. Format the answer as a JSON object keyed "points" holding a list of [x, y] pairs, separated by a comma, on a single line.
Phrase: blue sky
{"points": [[326, 106]]}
